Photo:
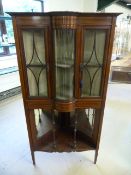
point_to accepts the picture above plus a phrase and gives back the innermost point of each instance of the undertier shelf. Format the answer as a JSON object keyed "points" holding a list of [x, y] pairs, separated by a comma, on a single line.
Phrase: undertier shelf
{"points": [[64, 142]]}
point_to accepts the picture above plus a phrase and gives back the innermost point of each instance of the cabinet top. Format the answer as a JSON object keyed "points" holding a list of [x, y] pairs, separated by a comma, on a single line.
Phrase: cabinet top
{"points": [[61, 13]]}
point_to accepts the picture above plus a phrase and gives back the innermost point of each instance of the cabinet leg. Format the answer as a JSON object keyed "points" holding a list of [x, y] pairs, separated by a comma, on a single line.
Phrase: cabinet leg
{"points": [[33, 157], [96, 155]]}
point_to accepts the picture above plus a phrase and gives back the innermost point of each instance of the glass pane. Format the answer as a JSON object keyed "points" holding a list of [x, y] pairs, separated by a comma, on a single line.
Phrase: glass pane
{"points": [[94, 45], [37, 81], [43, 122], [64, 62], [85, 121], [34, 48], [92, 80]]}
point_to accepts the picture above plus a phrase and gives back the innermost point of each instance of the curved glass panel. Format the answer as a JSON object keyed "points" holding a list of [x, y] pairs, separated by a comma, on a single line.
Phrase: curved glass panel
{"points": [[64, 40], [94, 45], [34, 49]]}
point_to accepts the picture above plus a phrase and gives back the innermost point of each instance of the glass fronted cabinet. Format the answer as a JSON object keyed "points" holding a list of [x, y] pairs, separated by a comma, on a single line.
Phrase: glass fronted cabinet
{"points": [[64, 60]]}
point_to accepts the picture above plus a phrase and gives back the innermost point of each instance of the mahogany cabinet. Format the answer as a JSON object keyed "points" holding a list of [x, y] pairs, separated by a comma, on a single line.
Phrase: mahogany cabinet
{"points": [[64, 60]]}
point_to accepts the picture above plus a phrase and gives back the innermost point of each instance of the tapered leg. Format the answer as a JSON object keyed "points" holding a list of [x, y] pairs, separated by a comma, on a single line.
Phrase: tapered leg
{"points": [[33, 157], [96, 155]]}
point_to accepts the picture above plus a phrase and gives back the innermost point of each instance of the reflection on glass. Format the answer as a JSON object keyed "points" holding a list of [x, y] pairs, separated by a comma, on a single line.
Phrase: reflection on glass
{"points": [[34, 48], [67, 129], [94, 45], [64, 40], [85, 119], [43, 122]]}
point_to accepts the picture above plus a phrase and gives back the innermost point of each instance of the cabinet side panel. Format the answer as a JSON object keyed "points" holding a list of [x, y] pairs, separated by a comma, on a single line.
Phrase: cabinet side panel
{"points": [[19, 57]]}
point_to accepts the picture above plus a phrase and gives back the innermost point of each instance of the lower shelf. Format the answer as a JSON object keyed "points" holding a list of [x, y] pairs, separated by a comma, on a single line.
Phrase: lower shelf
{"points": [[64, 142]]}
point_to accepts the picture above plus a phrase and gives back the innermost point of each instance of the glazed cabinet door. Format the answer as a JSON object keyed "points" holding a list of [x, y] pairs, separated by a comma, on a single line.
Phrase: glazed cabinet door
{"points": [[34, 57], [64, 42], [35, 61], [93, 62]]}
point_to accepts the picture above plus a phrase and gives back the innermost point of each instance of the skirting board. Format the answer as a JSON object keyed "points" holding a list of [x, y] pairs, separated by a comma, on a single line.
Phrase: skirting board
{"points": [[10, 93]]}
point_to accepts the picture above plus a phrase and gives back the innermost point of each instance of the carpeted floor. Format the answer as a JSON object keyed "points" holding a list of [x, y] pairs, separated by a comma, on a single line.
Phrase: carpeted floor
{"points": [[115, 146]]}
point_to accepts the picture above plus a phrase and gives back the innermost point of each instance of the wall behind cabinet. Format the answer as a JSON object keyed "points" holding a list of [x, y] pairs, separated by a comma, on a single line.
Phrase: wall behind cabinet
{"points": [[71, 5]]}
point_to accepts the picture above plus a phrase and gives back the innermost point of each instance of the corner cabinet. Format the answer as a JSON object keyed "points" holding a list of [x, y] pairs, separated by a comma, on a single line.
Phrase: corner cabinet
{"points": [[64, 60]]}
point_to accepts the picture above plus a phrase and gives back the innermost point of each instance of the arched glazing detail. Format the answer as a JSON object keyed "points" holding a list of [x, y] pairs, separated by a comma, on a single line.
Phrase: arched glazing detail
{"points": [[94, 45], [34, 49], [64, 41]]}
